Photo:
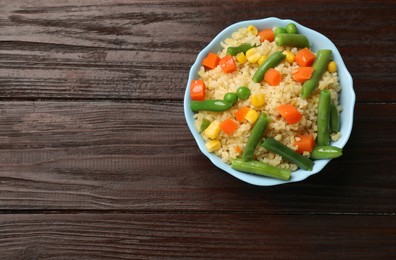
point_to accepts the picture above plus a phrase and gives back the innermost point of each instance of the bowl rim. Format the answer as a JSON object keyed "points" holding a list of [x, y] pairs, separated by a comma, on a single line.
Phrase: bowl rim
{"points": [[347, 95]]}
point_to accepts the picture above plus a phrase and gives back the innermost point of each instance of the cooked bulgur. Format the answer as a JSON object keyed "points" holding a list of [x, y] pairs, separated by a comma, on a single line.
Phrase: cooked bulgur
{"points": [[219, 83]]}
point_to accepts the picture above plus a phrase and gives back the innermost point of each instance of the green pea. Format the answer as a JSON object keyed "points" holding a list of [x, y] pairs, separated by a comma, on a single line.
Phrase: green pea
{"points": [[231, 97], [243, 92], [279, 30], [291, 28]]}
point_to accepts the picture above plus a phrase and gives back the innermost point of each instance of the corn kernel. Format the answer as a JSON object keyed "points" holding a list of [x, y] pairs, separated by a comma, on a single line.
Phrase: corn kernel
{"points": [[213, 145], [257, 100], [262, 59], [213, 129], [252, 29], [241, 58], [253, 55], [289, 56], [252, 116], [332, 67]]}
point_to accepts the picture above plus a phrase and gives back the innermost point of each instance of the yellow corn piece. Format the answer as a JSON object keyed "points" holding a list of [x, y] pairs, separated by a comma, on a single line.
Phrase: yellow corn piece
{"points": [[332, 67], [262, 59], [252, 116], [252, 29], [289, 56], [241, 58], [213, 129], [213, 145], [253, 55], [257, 100]]}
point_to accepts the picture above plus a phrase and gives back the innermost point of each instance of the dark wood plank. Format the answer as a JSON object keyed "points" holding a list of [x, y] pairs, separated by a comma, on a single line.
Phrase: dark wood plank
{"points": [[141, 156], [143, 49], [202, 236]]}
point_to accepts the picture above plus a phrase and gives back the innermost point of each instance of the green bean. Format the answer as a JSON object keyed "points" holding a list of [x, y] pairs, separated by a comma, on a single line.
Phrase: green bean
{"points": [[261, 168], [205, 123], [319, 65], [273, 60], [231, 97], [255, 136], [323, 137], [287, 153], [334, 118], [241, 48], [326, 152], [291, 28], [243, 92], [292, 39], [215, 105]]}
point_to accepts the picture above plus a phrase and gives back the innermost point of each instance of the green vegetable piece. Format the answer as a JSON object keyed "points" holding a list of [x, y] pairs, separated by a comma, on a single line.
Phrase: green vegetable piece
{"points": [[261, 168], [273, 60], [255, 136], [205, 123], [334, 118], [231, 97], [243, 92], [214, 105], [241, 48], [291, 28], [326, 152], [323, 137], [319, 65], [278, 30], [287, 153], [292, 39]]}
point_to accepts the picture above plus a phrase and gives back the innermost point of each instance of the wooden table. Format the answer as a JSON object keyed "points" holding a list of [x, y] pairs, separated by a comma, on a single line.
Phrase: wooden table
{"points": [[97, 162]]}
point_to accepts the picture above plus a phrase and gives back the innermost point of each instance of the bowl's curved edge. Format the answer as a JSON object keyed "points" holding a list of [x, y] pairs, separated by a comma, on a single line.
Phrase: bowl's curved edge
{"points": [[298, 175]]}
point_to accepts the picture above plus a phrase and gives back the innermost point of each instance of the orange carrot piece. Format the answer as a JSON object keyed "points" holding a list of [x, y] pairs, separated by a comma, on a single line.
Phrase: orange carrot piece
{"points": [[197, 90], [304, 57], [289, 113], [211, 61], [241, 113], [305, 143], [301, 74], [227, 64], [238, 149], [267, 34], [273, 77], [229, 126]]}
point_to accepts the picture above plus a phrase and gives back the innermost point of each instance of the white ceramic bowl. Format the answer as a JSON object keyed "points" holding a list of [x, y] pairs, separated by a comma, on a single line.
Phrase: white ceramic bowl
{"points": [[317, 41]]}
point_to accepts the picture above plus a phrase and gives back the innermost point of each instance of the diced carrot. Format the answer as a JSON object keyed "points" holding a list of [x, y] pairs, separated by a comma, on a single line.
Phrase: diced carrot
{"points": [[267, 34], [197, 90], [211, 61], [241, 113], [304, 143], [273, 77], [227, 64], [305, 57], [289, 113], [238, 149], [229, 126], [301, 74]]}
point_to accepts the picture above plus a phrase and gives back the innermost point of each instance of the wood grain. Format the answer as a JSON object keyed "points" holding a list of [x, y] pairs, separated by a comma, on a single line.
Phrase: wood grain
{"points": [[97, 162], [141, 156], [203, 236], [143, 50]]}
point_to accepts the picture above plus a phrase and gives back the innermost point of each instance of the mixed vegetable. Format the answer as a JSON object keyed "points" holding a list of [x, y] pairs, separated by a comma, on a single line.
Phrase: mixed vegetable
{"points": [[311, 68]]}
